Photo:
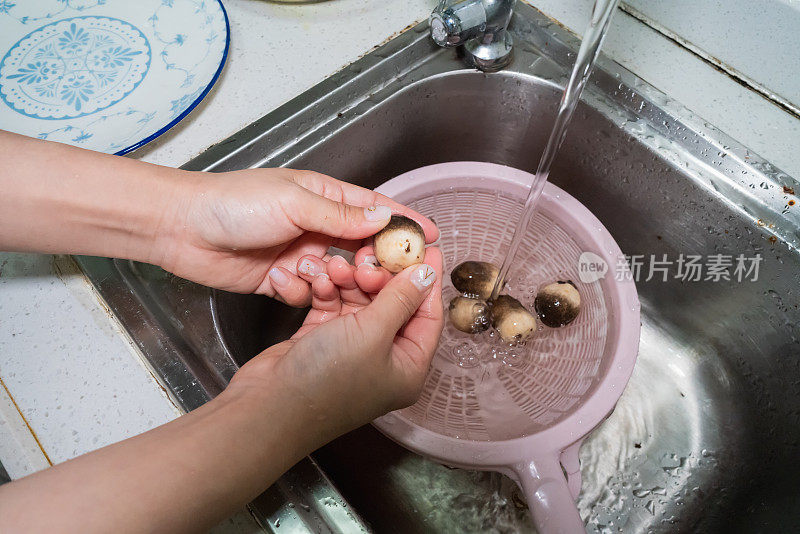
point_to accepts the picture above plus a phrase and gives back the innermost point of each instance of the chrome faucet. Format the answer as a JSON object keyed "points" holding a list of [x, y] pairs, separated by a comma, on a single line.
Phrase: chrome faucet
{"points": [[480, 25]]}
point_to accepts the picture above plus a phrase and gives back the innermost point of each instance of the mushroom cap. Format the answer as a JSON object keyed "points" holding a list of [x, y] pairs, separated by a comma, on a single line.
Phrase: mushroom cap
{"points": [[558, 304], [511, 319], [475, 278], [400, 244], [469, 315]]}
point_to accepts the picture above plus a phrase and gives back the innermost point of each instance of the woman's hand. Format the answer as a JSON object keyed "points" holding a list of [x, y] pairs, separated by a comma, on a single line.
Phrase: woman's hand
{"points": [[357, 356], [245, 231], [349, 364], [241, 231]]}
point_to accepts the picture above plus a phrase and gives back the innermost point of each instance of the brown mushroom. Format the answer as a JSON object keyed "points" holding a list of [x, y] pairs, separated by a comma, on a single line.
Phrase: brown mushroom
{"points": [[475, 278], [469, 315], [511, 319], [400, 244], [558, 304]]}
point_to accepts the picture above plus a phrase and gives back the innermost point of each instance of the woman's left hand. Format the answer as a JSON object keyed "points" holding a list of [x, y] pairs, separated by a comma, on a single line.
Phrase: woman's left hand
{"points": [[240, 231], [245, 231]]}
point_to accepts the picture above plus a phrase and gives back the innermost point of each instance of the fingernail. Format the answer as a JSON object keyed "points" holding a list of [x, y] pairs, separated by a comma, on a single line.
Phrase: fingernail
{"points": [[378, 213], [323, 276], [308, 268], [372, 260], [423, 276], [367, 266], [278, 277]]}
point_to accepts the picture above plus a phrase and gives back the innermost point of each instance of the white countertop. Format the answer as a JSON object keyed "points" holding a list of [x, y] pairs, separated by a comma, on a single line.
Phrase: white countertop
{"points": [[71, 379]]}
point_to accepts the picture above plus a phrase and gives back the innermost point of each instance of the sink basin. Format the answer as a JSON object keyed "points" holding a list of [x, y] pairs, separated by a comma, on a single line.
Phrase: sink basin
{"points": [[705, 437]]}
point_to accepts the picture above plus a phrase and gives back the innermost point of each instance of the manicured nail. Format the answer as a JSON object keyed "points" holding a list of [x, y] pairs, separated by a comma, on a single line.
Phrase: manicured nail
{"points": [[323, 276], [372, 260], [378, 213], [423, 276], [367, 266], [308, 268], [278, 277]]}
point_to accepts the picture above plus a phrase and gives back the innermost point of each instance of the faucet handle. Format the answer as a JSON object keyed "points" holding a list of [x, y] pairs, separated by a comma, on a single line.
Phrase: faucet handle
{"points": [[454, 23], [480, 25]]}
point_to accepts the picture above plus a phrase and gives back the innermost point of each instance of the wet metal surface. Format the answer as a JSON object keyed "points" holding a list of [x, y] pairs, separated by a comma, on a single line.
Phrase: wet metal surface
{"points": [[706, 435]]}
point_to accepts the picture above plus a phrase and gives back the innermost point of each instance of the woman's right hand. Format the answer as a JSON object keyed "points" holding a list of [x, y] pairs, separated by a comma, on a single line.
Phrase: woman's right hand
{"points": [[358, 355]]}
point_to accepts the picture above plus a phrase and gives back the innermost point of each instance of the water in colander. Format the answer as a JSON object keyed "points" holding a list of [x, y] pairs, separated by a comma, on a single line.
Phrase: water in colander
{"points": [[480, 388]]}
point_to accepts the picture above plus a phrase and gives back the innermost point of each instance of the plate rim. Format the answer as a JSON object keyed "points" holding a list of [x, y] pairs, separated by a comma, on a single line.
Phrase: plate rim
{"points": [[195, 103]]}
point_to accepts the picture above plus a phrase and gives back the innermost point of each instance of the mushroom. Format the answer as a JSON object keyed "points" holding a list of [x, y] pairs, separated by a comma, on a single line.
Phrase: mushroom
{"points": [[400, 244], [469, 315], [475, 278], [511, 319], [558, 304]]}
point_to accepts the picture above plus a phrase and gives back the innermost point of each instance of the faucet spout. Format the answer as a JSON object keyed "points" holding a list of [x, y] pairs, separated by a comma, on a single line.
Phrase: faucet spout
{"points": [[481, 26]]}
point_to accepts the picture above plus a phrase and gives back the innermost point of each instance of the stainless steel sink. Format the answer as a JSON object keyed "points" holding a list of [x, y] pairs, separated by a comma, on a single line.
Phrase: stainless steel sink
{"points": [[705, 437]]}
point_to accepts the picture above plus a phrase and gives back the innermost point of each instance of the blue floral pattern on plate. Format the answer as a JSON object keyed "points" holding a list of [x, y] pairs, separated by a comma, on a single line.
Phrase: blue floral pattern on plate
{"points": [[74, 67], [109, 75]]}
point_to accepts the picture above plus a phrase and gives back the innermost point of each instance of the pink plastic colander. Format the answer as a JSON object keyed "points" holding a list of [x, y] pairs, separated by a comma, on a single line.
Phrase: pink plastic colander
{"points": [[523, 411]]}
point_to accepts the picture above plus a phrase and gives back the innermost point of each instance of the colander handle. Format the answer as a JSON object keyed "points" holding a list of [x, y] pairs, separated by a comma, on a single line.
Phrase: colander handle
{"points": [[570, 460], [549, 498]]}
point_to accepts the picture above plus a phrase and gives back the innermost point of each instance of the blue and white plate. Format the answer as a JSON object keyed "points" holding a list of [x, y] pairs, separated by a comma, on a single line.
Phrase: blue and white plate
{"points": [[108, 75]]}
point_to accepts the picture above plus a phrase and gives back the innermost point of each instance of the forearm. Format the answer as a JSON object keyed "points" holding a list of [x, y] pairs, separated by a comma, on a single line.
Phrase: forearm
{"points": [[61, 199], [182, 477]]}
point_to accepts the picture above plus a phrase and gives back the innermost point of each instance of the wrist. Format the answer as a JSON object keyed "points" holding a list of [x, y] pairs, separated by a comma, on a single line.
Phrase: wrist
{"points": [[273, 407], [282, 385], [163, 230]]}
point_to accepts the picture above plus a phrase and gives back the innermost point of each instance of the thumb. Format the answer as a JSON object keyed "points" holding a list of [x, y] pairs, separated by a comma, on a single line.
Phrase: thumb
{"points": [[400, 299], [322, 215]]}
